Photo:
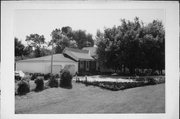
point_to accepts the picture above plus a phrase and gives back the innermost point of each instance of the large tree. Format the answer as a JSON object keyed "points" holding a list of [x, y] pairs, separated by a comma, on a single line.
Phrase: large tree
{"points": [[61, 40], [36, 41], [82, 38], [20, 49], [66, 37], [132, 45], [154, 45]]}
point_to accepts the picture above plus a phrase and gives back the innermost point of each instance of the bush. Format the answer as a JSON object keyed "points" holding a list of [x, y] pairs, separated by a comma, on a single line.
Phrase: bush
{"points": [[23, 88], [151, 81], [53, 82], [71, 69], [148, 72], [56, 76], [155, 73], [17, 78], [34, 76], [39, 83], [47, 76], [66, 79]]}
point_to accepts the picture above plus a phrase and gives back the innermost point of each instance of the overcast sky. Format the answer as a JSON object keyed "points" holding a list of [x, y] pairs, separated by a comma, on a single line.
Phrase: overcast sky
{"points": [[44, 21]]}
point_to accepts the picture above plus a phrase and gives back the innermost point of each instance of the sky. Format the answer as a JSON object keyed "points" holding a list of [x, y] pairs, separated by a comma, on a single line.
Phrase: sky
{"points": [[43, 22]]}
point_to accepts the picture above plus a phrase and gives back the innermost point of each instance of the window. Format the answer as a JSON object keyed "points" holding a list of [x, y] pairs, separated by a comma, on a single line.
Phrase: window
{"points": [[87, 65], [81, 64]]}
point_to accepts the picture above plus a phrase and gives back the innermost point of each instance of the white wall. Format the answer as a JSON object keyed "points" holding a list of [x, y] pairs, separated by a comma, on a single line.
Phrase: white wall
{"points": [[62, 64], [42, 67], [33, 67]]}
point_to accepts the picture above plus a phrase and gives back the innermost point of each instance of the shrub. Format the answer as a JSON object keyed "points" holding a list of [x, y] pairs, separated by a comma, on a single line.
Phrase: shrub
{"points": [[155, 73], [53, 82], [17, 78], [71, 69], [140, 79], [56, 76], [148, 72], [23, 88], [66, 79], [47, 76], [39, 83], [151, 81], [34, 76]]}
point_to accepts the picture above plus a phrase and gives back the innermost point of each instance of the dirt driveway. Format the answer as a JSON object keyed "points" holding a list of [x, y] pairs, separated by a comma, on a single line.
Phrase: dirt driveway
{"points": [[82, 99]]}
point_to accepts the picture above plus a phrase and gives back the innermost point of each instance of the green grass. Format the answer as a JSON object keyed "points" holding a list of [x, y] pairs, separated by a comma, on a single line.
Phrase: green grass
{"points": [[82, 99]]}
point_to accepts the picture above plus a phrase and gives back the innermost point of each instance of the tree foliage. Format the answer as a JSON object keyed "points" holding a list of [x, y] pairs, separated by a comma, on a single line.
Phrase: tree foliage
{"points": [[132, 45], [20, 49], [66, 37], [82, 38], [62, 39], [37, 42]]}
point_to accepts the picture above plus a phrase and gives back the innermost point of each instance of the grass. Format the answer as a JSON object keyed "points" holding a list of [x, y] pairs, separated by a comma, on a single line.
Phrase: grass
{"points": [[82, 99]]}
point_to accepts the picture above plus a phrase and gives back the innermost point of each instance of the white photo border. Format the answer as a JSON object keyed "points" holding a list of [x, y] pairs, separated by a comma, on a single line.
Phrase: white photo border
{"points": [[171, 44]]}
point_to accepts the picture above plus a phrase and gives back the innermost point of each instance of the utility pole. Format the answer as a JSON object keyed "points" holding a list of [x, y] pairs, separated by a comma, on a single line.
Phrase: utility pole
{"points": [[52, 57]]}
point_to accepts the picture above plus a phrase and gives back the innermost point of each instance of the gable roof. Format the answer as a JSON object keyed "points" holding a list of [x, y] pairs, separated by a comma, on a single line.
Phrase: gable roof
{"points": [[77, 54], [56, 58]]}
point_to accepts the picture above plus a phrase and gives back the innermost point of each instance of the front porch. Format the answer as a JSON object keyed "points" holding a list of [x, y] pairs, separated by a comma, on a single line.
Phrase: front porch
{"points": [[87, 67]]}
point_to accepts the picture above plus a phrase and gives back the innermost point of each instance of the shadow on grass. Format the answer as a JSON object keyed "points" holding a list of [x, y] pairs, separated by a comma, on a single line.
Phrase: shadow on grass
{"points": [[67, 87]]}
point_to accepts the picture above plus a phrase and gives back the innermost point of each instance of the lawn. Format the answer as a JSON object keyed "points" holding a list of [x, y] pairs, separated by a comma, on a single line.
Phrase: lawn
{"points": [[90, 99]]}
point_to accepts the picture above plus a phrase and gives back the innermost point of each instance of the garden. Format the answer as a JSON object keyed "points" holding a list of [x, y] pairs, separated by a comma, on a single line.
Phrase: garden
{"points": [[46, 93], [88, 99], [115, 84], [38, 82]]}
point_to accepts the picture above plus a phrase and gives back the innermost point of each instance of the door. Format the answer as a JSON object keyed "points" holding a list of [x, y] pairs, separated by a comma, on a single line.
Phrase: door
{"points": [[87, 65]]}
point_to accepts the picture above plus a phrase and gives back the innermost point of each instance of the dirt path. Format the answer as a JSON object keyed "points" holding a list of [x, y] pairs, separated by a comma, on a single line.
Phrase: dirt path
{"points": [[82, 99]]}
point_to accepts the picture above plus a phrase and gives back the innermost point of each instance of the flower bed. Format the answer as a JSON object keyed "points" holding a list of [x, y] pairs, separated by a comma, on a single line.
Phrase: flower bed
{"points": [[115, 86]]}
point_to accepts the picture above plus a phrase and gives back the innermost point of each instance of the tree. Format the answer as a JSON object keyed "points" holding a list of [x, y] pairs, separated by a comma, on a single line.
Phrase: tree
{"points": [[83, 39], [61, 40], [66, 37], [122, 46], [27, 50], [132, 45], [19, 48], [154, 47], [67, 30], [36, 41]]}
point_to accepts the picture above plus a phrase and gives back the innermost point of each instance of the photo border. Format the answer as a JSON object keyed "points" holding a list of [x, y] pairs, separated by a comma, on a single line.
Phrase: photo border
{"points": [[171, 48]]}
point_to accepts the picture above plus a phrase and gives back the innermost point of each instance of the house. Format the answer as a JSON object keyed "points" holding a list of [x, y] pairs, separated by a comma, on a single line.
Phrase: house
{"points": [[82, 61], [43, 64], [93, 53], [86, 63]]}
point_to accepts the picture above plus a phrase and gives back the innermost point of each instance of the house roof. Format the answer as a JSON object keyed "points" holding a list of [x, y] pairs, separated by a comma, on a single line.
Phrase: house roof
{"points": [[92, 50], [56, 58], [78, 54]]}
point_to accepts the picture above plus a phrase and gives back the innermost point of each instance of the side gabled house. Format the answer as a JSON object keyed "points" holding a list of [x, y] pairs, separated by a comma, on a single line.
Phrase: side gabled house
{"points": [[82, 60], [86, 63], [99, 68], [43, 64]]}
